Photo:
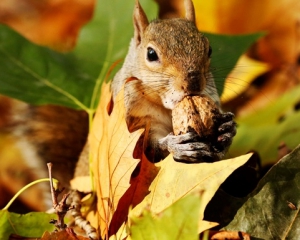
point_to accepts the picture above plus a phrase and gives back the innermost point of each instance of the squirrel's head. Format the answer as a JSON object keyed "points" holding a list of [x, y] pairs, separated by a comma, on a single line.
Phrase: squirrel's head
{"points": [[173, 56]]}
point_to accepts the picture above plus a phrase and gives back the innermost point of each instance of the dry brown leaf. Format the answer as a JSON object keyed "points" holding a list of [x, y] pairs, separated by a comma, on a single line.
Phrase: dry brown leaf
{"points": [[53, 23], [66, 234], [230, 235], [111, 146], [175, 180]]}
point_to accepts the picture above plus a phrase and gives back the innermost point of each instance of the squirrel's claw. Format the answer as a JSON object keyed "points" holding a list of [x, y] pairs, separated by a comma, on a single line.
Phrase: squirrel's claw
{"points": [[187, 148], [226, 131], [190, 148]]}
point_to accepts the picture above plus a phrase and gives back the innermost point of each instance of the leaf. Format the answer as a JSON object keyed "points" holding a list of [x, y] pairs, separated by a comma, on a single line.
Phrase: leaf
{"points": [[54, 23], [272, 210], [111, 146], [265, 129], [226, 51], [66, 234], [175, 180], [245, 71], [38, 75], [179, 221], [82, 183], [240, 17], [230, 235], [28, 225], [140, 181]]}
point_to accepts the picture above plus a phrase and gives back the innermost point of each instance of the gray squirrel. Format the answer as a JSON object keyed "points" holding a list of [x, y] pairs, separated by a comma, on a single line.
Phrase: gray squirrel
{"points": [[168, 60]]}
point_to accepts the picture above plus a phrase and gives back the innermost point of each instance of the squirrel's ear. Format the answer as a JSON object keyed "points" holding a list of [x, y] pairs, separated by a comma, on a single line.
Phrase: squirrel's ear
{"points": [[140, 22], [189, 10]]}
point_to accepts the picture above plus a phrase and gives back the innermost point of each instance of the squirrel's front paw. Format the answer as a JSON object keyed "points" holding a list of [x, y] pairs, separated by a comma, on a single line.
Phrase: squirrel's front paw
{"points": [[187, 148], [225, 132], [190, 148]]}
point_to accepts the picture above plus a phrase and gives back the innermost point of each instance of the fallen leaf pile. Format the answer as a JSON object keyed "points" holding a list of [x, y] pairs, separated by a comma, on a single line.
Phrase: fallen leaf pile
{"points": [[167, 200]]}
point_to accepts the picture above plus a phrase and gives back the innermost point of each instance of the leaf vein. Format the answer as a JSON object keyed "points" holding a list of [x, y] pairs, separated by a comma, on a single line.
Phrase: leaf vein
{"points": [[45, 81]]}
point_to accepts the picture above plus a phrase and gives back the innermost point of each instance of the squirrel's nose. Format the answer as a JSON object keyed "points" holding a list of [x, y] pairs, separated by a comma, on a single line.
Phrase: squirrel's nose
{"points": [[194, 82]]}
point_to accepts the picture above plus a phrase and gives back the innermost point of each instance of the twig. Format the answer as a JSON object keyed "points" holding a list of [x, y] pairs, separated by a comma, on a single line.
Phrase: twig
{"points": [[61, 208]]}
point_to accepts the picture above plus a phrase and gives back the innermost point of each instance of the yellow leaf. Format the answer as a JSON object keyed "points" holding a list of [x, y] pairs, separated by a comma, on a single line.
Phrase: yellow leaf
{"points": [[81, 183], [111, 146], [245, 71], [175, 180], [204, 225]]}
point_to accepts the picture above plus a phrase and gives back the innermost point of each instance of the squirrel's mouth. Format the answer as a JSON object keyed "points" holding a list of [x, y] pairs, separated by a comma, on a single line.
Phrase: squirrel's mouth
{"points": [[170, 102], [192, 94]]}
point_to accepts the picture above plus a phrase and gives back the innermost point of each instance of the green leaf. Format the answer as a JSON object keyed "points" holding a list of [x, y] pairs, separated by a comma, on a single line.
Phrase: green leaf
{"points": [[28, 225], [179, 221], [268, 212], [265, 129], [38, 75], [226, 50]]}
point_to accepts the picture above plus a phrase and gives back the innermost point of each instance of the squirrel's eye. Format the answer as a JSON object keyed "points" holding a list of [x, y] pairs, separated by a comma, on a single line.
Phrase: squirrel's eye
{"points": [[209, 51], [151, 54]]}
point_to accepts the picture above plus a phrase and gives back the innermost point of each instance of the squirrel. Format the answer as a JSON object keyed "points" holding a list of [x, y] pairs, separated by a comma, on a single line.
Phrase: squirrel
{"points": [[49, 133], [168, 60]]}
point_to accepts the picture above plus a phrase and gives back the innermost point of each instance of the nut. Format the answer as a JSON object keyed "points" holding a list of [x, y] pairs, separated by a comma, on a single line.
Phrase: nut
{"points": [[195, 113]]}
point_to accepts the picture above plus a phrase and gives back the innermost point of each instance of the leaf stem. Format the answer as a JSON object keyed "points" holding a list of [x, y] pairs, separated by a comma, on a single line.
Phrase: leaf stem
{"points": [[91, 117], [23, 189]]}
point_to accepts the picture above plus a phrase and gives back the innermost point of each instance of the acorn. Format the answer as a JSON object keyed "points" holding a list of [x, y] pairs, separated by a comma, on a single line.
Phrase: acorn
{"points": [[196, 113]]}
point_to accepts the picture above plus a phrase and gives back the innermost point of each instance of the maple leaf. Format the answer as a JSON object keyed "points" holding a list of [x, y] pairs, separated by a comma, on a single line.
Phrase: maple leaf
{"points": [[111, 146]]}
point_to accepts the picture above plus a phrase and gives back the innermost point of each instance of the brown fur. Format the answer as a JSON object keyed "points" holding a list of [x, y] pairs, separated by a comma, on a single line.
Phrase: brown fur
{"points": [[182, 70], [51, 134]]}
